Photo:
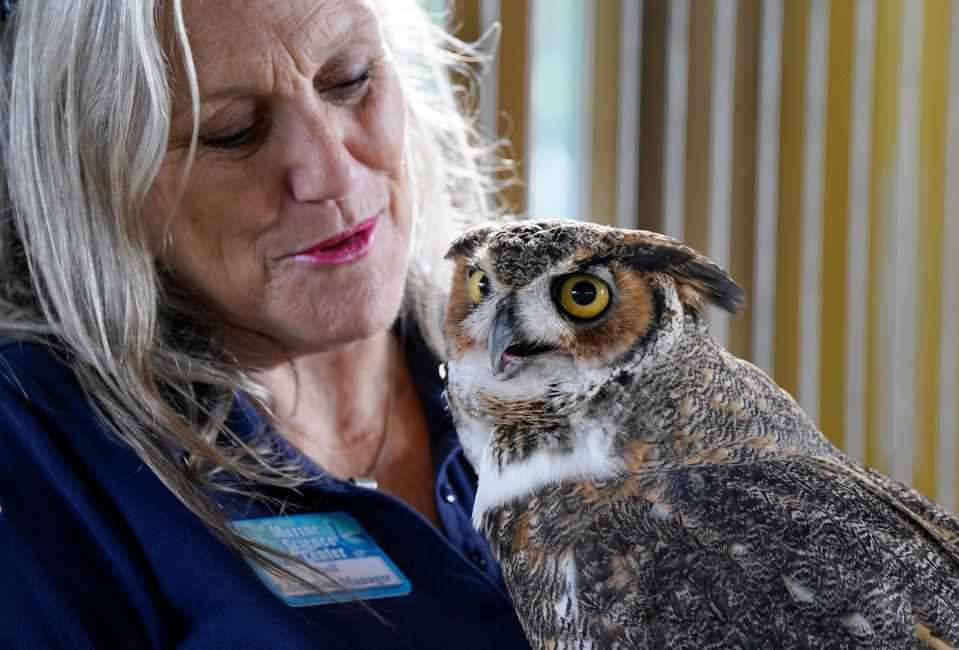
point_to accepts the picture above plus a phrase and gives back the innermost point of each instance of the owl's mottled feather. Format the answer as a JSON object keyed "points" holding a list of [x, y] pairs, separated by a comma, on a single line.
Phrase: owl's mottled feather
{"points": [[776, 553], [643, 488]]}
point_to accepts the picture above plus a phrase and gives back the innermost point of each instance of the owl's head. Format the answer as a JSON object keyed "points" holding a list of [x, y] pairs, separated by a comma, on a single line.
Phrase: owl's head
{"points": [[551, 307]]}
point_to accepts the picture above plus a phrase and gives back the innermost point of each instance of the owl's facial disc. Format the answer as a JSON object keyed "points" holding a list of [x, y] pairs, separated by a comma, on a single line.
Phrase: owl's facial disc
{"points": [[509, 351]]}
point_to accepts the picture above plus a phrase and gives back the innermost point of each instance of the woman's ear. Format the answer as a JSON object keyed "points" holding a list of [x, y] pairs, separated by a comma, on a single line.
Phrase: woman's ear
{"points": [[698, 280]]}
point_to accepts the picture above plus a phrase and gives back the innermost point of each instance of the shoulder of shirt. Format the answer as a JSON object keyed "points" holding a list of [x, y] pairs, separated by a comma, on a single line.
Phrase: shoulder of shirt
{"points": [[41, 399], [34, 370]]}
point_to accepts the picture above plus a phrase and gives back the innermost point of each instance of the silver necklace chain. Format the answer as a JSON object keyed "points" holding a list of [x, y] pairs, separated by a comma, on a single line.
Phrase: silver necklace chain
{"points": [[368, 479]]}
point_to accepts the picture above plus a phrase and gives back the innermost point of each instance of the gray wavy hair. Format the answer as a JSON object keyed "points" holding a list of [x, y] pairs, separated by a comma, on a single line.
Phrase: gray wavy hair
{"points": [[85, 120]]}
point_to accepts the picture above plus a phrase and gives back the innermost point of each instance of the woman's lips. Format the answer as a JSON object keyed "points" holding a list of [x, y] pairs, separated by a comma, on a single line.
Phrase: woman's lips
{"points": [[342, 248]]}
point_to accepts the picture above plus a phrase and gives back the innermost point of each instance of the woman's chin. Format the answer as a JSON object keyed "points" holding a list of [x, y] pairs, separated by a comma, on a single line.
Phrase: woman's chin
{"points": [[355, 318]]}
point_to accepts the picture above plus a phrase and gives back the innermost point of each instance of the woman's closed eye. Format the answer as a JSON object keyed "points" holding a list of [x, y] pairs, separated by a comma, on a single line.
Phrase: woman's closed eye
{"points": [[345, 92], [350, 90], [235, 138]]}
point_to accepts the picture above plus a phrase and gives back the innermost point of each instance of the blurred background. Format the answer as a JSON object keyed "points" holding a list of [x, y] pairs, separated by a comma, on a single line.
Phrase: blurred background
{"points": [[811, 147]]}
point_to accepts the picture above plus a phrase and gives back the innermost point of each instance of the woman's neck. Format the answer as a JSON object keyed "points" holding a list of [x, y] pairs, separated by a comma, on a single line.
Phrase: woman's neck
{"points": [[335, 406], [355, 409]]}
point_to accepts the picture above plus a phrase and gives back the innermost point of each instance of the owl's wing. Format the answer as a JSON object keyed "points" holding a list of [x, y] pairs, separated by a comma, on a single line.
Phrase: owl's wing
{"points": [[784, 553], [930, 511]]}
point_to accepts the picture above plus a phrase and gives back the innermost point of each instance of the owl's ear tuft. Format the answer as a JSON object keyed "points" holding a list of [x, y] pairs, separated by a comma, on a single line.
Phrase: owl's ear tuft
{"points": [[698, 279], [468, 242]]}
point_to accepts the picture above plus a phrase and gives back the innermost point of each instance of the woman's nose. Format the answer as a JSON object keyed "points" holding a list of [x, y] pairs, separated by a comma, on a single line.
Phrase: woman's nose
{"points": [[320, 165]]}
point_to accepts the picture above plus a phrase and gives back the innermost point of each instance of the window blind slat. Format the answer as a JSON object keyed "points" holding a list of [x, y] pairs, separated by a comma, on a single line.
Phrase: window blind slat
{"points": [[899, 307], [857, 269], [812, 196], [489, 15], [721, 149], [948, 348], [767, 180], [677, 64], [630, 84]]}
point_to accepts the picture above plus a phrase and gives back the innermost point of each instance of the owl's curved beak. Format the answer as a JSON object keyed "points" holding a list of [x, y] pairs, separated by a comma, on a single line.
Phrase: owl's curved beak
{"points": [[502, 333], [510, 350]]}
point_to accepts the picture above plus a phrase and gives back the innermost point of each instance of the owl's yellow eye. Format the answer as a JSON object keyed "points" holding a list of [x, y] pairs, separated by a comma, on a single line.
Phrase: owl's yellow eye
{"points": [[478, 286], [584, 296]]}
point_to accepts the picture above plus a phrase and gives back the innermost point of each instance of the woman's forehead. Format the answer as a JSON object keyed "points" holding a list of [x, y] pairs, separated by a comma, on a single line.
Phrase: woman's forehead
{"points": [[232, 39]]}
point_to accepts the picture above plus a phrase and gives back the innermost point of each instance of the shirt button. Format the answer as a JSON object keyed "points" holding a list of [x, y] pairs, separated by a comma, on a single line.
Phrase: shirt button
{"points": [[476, 558], [447, 492]]}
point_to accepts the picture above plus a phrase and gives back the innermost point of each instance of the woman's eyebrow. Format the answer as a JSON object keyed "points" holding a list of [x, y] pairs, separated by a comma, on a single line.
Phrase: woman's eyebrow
{"points": [[236, 90], [184, 109]]}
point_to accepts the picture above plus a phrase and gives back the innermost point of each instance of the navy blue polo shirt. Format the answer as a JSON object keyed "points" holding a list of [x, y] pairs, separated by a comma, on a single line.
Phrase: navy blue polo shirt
{"points": [[96, 552]]}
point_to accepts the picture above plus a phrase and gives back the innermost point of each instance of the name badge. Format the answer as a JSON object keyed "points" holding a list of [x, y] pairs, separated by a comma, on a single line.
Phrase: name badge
{"points": [[335, 544]]}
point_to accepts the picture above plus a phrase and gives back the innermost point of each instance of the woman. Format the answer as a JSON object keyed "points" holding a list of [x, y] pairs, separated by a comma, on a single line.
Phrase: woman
{"points": [[214, 212]]}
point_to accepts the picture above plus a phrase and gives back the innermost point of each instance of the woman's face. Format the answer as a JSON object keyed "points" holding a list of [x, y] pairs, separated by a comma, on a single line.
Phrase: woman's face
{"points": [[295, 219]]}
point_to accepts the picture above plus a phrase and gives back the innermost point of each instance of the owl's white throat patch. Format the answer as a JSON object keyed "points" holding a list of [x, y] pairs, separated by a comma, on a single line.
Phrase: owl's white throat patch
{"points": [[591, 457]]}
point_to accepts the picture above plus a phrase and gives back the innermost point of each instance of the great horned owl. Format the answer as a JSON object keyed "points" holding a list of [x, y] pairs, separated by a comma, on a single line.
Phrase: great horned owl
{"points": [[643, 488]]}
